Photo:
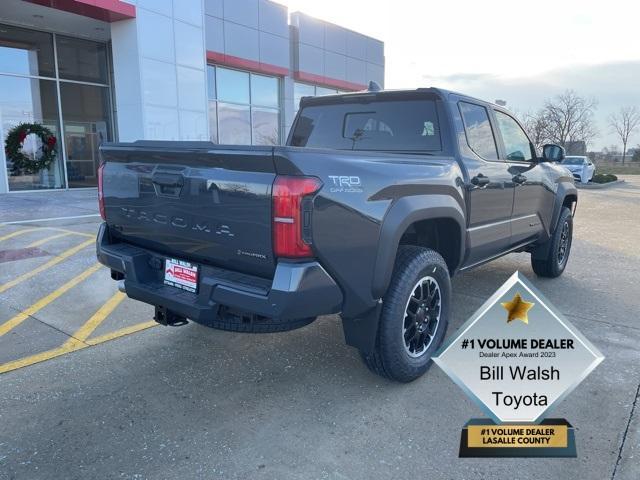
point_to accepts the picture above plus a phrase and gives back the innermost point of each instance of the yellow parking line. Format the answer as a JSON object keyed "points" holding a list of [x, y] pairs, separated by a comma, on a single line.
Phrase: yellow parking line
{"points": [[73, 232], [96, 319], [19, 232], [54, 261], [122, 332], [40, 357], [69, 347], [46, 300], [48, 239], [37, 229]]}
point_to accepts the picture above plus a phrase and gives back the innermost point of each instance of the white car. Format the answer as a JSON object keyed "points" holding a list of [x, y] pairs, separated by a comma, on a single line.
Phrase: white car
{"points": [[580, 167]]}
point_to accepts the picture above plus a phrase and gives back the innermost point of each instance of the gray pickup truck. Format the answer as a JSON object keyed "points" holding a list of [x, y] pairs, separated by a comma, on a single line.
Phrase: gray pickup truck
{"points": [[378, 198]]}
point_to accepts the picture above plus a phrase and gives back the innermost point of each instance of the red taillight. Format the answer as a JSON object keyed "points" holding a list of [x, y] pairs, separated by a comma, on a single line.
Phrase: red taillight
{"points": [[100, 192], [290, 216]]}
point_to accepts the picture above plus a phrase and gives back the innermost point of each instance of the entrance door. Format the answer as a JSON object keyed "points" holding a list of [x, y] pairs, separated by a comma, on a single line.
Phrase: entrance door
{"points": [[85, 101], [490, 187]]}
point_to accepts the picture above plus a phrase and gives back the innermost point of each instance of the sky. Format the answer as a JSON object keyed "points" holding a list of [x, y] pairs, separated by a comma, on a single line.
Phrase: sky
{"points": [[520, 52]]}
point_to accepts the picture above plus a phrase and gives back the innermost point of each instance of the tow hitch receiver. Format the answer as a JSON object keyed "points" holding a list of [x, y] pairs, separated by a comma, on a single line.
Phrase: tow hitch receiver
{"points": [[166, 317]]}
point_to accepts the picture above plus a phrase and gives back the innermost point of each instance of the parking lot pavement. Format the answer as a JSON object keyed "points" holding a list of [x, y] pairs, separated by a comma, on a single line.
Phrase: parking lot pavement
{"points": [[91, 390]]}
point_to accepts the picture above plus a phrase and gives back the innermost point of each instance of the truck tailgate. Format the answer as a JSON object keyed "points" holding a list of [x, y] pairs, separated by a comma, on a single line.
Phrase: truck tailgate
{"points": [[193, 201]]}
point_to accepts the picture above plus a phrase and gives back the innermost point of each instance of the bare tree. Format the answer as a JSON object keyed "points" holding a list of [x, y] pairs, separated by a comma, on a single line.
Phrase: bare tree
{"points": [[624, 123], [537, 126], [610, 153], [569, 118]]}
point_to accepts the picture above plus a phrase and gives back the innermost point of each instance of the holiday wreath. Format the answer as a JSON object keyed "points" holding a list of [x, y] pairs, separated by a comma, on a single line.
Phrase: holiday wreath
{"points": [[15, 142]]}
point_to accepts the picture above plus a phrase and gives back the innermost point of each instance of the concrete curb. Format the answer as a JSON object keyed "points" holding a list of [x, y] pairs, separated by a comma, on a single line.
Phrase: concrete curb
{"points": [[598, 186]]}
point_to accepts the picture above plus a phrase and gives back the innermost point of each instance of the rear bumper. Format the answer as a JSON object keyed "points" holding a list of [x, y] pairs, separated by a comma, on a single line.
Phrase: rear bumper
{"points": [[298, 290]]}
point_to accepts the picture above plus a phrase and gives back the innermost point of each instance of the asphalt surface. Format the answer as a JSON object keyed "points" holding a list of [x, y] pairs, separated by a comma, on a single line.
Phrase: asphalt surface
{"points": [[91, 390]]}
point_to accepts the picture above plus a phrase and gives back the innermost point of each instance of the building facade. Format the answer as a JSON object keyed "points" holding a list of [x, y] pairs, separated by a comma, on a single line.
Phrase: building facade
{"points": [[229, 71]]}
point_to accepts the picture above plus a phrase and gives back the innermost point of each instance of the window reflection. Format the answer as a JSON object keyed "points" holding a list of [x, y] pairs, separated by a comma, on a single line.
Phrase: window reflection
{"points": [[264, 122], [478, 130], [234, 124], [516, 142]]}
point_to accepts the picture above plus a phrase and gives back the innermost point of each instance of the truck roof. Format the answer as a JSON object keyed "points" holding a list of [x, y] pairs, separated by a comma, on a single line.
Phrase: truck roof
{"points": [[441, 92]]}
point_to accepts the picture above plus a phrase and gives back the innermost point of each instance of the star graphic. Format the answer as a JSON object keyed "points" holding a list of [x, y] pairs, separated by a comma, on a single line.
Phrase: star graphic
{"points": [[517, 309]]}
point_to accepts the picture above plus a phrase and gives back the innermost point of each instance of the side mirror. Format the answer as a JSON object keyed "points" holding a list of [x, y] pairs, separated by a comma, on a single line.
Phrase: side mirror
{"points": [[552, 153]]}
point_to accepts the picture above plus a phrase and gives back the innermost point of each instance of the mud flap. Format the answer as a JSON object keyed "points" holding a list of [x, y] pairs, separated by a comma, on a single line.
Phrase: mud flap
{"points": [[541, 252], [361, 332]]}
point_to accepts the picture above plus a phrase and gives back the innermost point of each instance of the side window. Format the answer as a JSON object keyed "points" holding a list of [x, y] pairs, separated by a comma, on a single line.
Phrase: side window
{"points": [[516, 142], [478, 130]]}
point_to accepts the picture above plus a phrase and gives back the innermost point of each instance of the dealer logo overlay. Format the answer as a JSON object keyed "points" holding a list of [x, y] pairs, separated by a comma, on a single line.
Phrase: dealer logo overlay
{"points": [[517, 357]]}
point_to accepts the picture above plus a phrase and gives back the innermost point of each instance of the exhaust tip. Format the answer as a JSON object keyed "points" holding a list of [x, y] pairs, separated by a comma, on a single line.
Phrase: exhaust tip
{"points": [[121, 286]]}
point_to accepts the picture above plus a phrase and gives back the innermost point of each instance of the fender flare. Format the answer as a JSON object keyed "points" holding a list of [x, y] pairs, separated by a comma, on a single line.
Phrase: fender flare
{"points": [[564, 190], [403, 213]]}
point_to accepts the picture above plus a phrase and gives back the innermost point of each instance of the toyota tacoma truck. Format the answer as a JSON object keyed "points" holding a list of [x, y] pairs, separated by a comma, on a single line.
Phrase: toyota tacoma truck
{"points": [[376, 201]]}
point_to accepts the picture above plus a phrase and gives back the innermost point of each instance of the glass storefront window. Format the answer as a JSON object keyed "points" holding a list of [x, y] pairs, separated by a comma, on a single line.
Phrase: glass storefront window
{"points": [[234, 124], [264, 91], [213, 122], [82, 60], [326, 91], [27, 100], [305, 90], [302, 90], [244, 107], [211, 82], [87, 124], [78, 92], [26, 52], [264, 125], [233, 85]]}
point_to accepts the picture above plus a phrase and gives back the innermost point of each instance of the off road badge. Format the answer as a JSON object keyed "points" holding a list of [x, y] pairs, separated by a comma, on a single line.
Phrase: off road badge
{"points": [[517, 357]]}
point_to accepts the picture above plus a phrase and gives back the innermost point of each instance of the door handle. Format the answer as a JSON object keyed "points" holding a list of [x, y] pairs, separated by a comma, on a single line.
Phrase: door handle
{"points": [[480, 180], [519, 179]]}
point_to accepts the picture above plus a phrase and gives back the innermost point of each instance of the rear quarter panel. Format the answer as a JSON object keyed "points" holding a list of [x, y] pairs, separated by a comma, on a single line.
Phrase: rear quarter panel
{"points": [[359, 189]]}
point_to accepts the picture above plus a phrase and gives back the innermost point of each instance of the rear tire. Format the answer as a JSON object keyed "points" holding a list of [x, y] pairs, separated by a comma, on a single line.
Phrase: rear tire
{"points": [[559, 247], [414, 317]]}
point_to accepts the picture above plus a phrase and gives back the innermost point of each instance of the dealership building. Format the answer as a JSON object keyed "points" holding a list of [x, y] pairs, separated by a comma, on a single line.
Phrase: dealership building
{"points": [[229, 71]]}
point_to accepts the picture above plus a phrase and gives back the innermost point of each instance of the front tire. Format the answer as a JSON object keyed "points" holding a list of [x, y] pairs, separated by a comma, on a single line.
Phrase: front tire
{"points": [[414, 317], [559, 247]]}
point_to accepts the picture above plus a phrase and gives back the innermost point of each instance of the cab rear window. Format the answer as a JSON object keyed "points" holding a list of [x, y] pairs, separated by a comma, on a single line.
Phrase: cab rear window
{"points": [[385, 125]]}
